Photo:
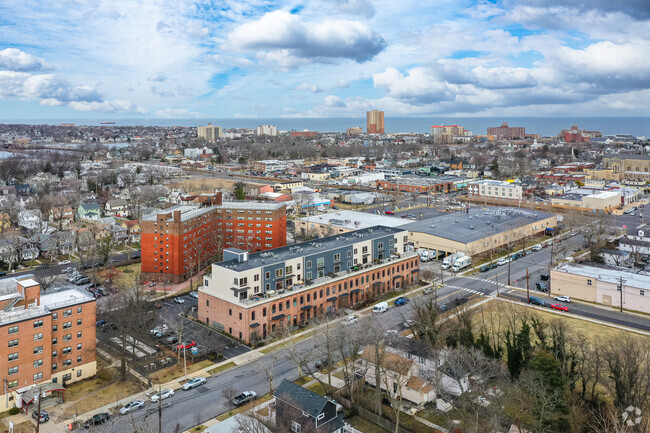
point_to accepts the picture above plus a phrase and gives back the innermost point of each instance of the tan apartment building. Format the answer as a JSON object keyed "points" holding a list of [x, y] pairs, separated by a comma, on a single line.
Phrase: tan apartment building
{"points": [[603, 285], [48, 338], [210, 132]]}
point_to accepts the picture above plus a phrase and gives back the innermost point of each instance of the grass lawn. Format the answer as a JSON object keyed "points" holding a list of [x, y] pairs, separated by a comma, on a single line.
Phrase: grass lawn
{"points": [[24, 427], [302, 380], [244, 408], [222, 368], [176, 371], [127, 276], [198, 428], [318, 388], [103, 389], [365, 426]]}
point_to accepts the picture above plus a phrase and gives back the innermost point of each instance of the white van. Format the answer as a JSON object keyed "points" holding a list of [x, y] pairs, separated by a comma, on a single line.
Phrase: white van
{"points": [[380, 308]]}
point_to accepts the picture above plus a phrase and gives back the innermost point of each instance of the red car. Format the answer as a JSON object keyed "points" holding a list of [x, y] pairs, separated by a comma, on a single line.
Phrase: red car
{"points": [[186, 345], [389, 212], [559, 307]]}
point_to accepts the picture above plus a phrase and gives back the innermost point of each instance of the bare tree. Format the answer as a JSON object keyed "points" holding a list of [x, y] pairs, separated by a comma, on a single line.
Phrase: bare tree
{"points": [[229, 393]]}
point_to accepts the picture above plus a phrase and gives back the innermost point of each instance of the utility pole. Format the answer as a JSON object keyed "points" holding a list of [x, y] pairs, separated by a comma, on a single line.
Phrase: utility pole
{"points": [[38, 418], [621, 286], [159, 410], [509, 260], [496, 278], [527, 287]]}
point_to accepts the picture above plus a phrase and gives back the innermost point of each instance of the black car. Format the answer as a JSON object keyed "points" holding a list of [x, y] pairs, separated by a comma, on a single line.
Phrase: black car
{"points": [[42, 266], [460, 301], [97, 419], [544, 277], [541, 287], [2, 273], [172, 340], [108, 326]]}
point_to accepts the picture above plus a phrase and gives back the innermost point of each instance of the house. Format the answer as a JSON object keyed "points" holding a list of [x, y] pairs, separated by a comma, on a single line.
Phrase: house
{"points": [[89, 211], [133, 230], [116, 206], [118, 233], [30, 219], [63, 215], [298, 409], [16, 249]]}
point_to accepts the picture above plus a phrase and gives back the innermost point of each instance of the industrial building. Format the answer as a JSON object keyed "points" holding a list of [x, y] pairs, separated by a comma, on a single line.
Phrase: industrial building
{"points": [[478, 231], [344, 221]]}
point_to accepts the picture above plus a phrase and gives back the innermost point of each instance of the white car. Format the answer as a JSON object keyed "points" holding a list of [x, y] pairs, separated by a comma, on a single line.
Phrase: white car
{"points": [[131, 406], [350, 320], [502, 262], [563, 299], [165, 393], [193, 383], [195, 295], [408, 323], [537, 247], [179, 300], [65, 262]]}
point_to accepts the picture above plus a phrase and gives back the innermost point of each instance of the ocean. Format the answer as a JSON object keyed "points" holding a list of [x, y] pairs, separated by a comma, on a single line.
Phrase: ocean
{"points": [[545, 126]]}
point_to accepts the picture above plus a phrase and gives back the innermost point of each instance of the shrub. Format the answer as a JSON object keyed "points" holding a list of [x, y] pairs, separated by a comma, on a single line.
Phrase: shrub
{"points": [[14, 411]]}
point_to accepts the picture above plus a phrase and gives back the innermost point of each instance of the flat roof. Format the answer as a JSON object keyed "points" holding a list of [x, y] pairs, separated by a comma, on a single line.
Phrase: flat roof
{"points": [[250, 205], [28, 282], [353, 220], [282, 254], [479, 223], [610, 274], [425, 181], [62, 298], [187, 212]]}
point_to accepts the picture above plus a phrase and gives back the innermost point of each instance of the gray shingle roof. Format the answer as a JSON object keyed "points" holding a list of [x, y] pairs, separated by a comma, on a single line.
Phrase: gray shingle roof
{"points": [[302, 398]]}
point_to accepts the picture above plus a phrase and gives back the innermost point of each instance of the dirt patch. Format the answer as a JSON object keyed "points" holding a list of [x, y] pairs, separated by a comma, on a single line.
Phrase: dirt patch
{"points": [[168, 374], [105, 388]]}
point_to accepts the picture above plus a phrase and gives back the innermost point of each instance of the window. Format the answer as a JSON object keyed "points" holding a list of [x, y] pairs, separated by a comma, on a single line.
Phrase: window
{"points": [[66, 350], [67, 337], [67, 325], [67, 313], [78, 322], [67, 362], [337, 257], [78, 358], [54, 353], [55, 328], [54, 341], [38, 363], [13, 329], [278, 273], [13, 356], [12, 384], [79, 372], [38, 376], [320, 262], [308, 264], [380, 246], [588, 282], [79, 310], [642, 292], [289, 269], [13, 370], [38, 349], [267, 275], [38, 324], [79, 346], [78, 334], [256, 277], [38, 337], [295, 427], [67, 377], [349, 254], [55, 316]]}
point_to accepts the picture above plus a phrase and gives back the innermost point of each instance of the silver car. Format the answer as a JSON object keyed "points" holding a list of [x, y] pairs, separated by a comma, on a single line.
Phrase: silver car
{"points": [[165, 393], [131, 406], [193, 383]]}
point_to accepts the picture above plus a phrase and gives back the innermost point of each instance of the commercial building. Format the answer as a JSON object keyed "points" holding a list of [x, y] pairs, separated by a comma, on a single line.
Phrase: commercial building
{"points": [[507, 132], [303, 134], [47, 338], [250, 296], [375, 122], [445, 134], [478, 231], [180, 241], [495, 189], [344, 221], [603, 285], [354, 131], [270, 165], [575, 135], [197, 152], [628, 167], [267, 130], [210, 132], [420, 185], [603, 201]]}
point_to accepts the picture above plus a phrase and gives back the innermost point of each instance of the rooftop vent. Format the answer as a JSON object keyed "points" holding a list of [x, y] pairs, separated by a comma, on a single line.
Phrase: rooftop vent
{"points": [[433, 226], [471, 227]]}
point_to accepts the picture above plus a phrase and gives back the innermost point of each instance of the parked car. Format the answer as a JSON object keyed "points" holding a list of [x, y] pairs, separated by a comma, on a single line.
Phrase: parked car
{"points": [[193, 383], [537, 247], [186, 345], [402, 300], [544, 277], [350, 320], [194, 294], [108, 326], [536, 301], [244, 397], [172, 339], [179, 300], [542, 287], [502, 262], [82, 281], [131, 406], [157, 329], [443, 307], [563, 299], [165, 393], [485, 268], [42, 266], [97, 419], [389, 212], [65, 262], [428, 290], [322, 363], [559, 307], [460, 301], [44, 417]]}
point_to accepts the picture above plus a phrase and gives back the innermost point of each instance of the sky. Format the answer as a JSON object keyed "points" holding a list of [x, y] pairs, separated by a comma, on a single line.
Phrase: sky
{"points": [[323, 58]]}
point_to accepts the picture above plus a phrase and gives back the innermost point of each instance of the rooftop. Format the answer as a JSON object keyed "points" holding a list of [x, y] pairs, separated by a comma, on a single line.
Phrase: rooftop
{"points": [[251, 205], [477, 224], [280, 255], [63, 298], [355, 220], [425, 181], [187, 212], [610, 274]]}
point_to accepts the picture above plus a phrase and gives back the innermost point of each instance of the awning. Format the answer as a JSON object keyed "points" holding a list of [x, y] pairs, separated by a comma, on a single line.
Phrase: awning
{"points": [[415, 270], [377, 284], [279, 317], [307, 307], [355, 290], [239, 289], [343, 295], [28, 396], [333, 298], [396, 277], [255, 325]]}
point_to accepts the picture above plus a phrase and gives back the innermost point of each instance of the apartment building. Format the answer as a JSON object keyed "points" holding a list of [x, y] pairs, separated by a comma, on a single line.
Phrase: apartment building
{"points": [[180, 241], [375, 122], [495, 189], [251, 295], [267, 130], [445, 134], [210, 132], [507, 132], [47, 338]]}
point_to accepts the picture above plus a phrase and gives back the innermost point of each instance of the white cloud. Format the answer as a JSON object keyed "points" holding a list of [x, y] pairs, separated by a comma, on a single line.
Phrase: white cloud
{"points": [[418, 87], [341, 84], [333, 101], [159, 77], [310, 87], [176, 113], [116, 106], [284, 38], [13, 59], [362, 8]]}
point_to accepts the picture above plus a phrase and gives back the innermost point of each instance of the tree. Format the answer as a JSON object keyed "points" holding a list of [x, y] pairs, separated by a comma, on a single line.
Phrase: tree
{"points": [[494, 168], [239, 190], [229, 393], [628, 366]]}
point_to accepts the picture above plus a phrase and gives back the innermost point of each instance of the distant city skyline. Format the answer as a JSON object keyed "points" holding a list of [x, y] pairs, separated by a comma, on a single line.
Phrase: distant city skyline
{"points": [[324, 58]]}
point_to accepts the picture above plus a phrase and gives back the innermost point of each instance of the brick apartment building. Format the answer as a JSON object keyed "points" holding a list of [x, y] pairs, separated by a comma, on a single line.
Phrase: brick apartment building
{"points": [[507, 132], [250, 296], [47, 338], [419, 185], [180, 241]]}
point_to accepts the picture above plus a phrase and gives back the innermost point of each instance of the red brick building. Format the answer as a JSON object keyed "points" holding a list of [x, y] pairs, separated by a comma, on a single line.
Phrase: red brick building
{"points": [[304, 134], [507, 132], [46, 338], [181, 241]]}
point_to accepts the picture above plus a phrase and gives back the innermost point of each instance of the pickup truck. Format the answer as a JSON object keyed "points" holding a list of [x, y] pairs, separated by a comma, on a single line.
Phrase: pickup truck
{"points": [[244, 397]]}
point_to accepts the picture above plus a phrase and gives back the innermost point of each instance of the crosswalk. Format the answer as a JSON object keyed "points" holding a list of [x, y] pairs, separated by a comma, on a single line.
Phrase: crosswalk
{"points": [[476, 292]]}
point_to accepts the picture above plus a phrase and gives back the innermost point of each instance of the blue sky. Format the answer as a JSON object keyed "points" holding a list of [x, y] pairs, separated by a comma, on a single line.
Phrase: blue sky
{"points": [[323, 58]]}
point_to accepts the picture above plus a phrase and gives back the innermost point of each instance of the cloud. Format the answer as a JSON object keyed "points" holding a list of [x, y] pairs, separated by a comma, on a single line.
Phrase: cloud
{"points": [[419, 86], [363, 8], [341, 84], [161, 92], [158, 77], [638, 9], [13, 59], [284, 38], [310, 87], [116, 106], [176, 113], [333, 101]]}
